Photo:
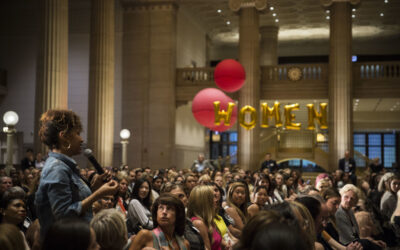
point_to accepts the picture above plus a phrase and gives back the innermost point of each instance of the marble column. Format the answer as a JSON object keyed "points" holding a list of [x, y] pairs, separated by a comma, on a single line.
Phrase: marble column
{"points": [[148, 84], [249, 56], [52, 64], [101, 81], [340, 80], [269, 45]]}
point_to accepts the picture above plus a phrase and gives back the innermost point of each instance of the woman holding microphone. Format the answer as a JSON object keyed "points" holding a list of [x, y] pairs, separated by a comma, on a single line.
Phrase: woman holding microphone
{"points": [[62, 191]]}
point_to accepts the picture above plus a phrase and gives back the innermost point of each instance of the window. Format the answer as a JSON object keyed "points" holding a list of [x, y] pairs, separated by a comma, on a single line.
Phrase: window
{"points": [[375, 145], [224, 144]]}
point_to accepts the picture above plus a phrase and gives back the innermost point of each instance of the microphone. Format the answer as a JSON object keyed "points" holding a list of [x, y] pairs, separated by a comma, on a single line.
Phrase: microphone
{"points": [[88, 153]]}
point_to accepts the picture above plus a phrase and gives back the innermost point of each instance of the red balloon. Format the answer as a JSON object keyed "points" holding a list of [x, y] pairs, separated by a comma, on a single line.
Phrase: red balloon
{"points": [[229, 75], [203, 108]]}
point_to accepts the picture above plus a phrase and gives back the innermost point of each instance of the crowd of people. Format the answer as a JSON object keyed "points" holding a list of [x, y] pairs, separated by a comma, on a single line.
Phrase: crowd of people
{"points": [[61, 206]]}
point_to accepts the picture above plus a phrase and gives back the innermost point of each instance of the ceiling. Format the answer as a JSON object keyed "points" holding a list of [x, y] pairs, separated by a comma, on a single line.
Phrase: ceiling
{"points": [[297, 19]]}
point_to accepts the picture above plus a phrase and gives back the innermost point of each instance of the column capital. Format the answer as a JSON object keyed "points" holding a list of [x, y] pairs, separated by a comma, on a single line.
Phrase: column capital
{"points": [[236, 5], [328, 3], [138, 5]]}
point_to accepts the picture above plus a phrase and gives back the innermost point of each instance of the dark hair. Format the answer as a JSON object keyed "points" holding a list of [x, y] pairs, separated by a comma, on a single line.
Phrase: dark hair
{"points": [[135, 193], [67, 234], [156, 177], [271, 185], [279, 236], [13, 193], [286, 211], [313, 205], [260, 220], [170, 200], [330, 193], [53, 122], [260, 187]]}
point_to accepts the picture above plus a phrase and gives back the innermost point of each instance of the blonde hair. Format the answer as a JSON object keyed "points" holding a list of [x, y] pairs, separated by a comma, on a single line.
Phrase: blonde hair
{"points": [[110, 228], [350, 187], [122, 176], [242, 210], [201, 204], [204, 179]]}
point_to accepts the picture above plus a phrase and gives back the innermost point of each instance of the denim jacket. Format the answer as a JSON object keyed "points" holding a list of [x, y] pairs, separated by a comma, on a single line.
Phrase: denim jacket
{"points": [[60, 192]]}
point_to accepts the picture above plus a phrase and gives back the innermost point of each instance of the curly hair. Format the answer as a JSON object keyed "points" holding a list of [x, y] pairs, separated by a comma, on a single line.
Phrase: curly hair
{"points": [[52, 122]]}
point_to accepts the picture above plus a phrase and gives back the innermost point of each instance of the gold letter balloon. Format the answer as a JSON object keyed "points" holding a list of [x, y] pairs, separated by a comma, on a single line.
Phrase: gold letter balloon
{"points": [[253, 117]]}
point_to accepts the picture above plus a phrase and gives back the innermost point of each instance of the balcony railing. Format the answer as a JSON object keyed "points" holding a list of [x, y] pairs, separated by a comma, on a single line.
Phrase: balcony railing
{"points": [[308, 72], [190, 76], [377, 70]]}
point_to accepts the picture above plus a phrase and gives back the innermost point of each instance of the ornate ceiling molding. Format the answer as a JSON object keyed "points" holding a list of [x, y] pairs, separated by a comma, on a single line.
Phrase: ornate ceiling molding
{"points": [[236, 5]]}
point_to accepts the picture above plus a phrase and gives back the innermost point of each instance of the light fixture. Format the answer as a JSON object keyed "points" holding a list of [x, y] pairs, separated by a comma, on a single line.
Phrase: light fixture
{"points": [[273, 14], [125, 134], [327, 11], [276, 20], [219, 11], [271, 8], [327, 17], [353, 16], [381, 14], [228, 22], [10, 118], [386, 1], [354, 10]]}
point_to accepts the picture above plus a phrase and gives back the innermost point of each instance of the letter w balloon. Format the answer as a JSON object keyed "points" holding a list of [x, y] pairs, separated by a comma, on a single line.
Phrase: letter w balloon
{"points": [[204, 111]]}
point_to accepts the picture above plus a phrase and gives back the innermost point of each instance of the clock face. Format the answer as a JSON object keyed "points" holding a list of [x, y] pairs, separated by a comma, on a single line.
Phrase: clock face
{"points": [[294, 74]]}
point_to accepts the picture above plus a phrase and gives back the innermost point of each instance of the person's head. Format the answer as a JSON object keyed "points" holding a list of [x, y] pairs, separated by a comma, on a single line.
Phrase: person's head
{"points": [[106, 202], [11, 238], [200, 158], [218, 193], [60, 129], [12, 206], [123, 180], [157, 182], [322, 185], [39, 157], [238, 198], [132, 176], [218, 179], [5, 183], [278, 179], [141, 192], [70, 234], [264, 180], [350, 196], [189, 182], [332, 200], [29, 154], [110, 228], [176, 190], [201, 204], [267, 156], [204, 179], [138, 173], [314, 206], [168, 211], [260, 195], [279, 236], [347, 154], [365, 223], [394, 183]]}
